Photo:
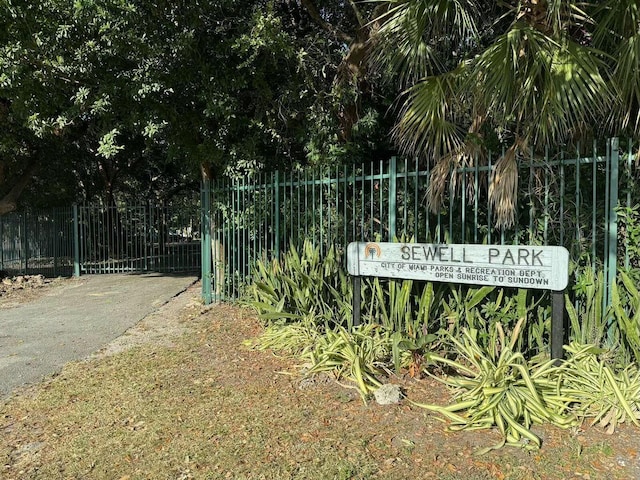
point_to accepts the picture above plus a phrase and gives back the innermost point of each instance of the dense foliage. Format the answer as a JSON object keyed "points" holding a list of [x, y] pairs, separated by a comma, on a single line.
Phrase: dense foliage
{"points": [[100, 98], [130, 97], [493, 343], [524, 74]]}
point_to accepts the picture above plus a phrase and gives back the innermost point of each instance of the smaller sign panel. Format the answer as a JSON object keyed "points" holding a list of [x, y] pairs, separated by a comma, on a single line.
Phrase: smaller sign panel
{"points": [[519, 266]]}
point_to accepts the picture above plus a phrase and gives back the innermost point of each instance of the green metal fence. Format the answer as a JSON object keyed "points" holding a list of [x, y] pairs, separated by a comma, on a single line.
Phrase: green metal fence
{"points": [[139, 238], [38, 242], [94, 239], [568, 199]]}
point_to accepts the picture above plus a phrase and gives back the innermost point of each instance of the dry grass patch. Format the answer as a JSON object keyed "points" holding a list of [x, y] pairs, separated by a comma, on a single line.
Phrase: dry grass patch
{"points": [[208, 407]]}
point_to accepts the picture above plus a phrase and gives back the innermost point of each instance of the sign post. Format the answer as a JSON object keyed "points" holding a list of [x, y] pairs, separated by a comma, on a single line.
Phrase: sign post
{"points": [[514, 266], [557, 325], [357, 286]]}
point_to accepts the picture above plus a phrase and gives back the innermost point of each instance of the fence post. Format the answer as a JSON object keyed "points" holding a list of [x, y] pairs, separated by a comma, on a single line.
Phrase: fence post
{"points": [[357, 301], [2, 243], [393, 195], [276, 185], [55, 242], [147, 242], [76, 242], [558, 327], [25, 245], [612, 228], [205, 246]]}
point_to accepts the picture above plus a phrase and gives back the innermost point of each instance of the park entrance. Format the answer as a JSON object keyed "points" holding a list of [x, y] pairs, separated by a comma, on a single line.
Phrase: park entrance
{"points": [[138, 238], [97, 239]]}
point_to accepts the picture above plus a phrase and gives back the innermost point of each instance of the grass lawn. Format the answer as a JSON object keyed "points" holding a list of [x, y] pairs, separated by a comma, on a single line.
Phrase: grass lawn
{"points": [[205, 406]]}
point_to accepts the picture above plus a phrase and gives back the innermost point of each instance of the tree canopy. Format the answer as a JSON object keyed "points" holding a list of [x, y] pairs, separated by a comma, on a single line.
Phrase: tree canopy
{"points": [[106, 98], [138, 96]]}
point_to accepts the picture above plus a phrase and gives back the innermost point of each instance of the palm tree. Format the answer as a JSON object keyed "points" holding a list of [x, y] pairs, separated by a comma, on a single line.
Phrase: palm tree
{"points": [[617, 32], [529, 73]]}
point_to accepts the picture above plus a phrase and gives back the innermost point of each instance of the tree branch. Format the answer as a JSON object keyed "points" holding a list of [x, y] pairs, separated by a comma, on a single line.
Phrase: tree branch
{"points": [[315, 15], [10, 201], [359, 17]]}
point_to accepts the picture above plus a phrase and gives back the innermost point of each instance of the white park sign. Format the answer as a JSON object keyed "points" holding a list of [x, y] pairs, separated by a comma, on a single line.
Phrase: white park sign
{"points": [[520, 266]]}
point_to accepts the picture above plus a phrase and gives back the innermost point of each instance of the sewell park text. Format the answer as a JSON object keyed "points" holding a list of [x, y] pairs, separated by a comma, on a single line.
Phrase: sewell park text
{"points": [[520, 266]]}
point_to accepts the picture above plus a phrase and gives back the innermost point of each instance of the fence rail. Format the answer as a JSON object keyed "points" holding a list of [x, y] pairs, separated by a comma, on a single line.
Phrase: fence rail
{"points": [[569, 200]]}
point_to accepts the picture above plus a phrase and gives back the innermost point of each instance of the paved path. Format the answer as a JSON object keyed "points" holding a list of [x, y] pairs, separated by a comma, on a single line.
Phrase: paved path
{"points": [[71, 322]]}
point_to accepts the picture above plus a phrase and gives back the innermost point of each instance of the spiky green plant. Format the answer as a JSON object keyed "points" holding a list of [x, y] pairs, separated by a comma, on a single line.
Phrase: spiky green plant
{"points": [[625, 303], [588, 324], [491, 312], [357, 354], [300, 286], [288, 338], [606, 395], [501, 390], [402, 306], [410, 353]]}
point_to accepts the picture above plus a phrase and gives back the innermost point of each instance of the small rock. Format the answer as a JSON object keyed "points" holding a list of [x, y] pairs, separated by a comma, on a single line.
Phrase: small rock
{"points": [[388, 394], [306, 383], [313, 381], [27, 449], [20, 280], [7, 281]]}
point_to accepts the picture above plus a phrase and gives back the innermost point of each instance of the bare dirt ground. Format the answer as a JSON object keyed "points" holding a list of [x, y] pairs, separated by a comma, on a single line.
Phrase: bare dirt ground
{"points": [[179, 396], [26, 288]]}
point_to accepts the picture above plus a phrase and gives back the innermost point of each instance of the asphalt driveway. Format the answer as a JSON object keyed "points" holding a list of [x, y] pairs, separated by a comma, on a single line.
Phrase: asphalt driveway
{"points": [[72, 321]]}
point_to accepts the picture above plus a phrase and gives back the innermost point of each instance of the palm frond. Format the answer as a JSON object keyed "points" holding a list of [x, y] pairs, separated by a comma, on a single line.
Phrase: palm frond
{"points": [[439, 182], [574, 94], [414, 38], [430, 115], [543, 86], [562, 15], [503, 187], [627, 81], [616, 32], [613, 20], [445, 175]]}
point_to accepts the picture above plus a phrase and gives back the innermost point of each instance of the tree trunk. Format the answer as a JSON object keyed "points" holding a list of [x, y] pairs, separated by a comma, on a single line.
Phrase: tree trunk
{"points": [[10, 201]]}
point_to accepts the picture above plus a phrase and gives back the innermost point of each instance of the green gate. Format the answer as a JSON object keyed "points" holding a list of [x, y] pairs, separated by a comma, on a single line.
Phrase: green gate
{"points": [[37, 242], [138, 238], [95, 239]]}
